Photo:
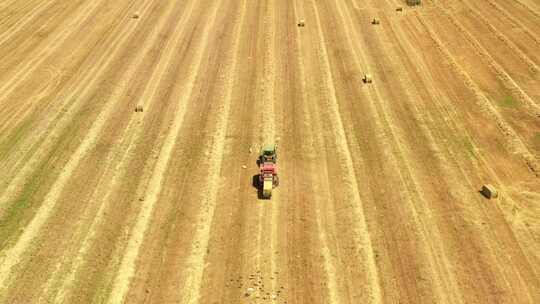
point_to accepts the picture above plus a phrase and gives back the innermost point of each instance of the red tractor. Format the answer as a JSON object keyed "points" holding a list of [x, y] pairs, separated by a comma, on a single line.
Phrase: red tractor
{"points": [[268, 177]]}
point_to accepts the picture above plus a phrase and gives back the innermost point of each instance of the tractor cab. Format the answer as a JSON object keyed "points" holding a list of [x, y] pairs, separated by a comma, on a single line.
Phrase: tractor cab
{"points": [[268, 154]]}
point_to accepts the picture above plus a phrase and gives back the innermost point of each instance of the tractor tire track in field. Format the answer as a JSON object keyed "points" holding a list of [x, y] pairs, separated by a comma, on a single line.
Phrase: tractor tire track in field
{"points": [[385, 123], [237, 213], [332, 285], [398, 155], [360, 232], [412, 94], [125, 272], [269, 213], [263, 218], [195, 264]]}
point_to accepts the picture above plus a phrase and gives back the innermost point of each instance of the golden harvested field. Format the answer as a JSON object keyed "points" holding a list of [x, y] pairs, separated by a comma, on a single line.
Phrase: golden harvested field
{"points": [[378, 199]]}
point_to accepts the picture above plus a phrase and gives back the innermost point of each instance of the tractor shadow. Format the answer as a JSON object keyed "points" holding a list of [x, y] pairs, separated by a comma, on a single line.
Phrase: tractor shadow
{"points": [[255, 184]]}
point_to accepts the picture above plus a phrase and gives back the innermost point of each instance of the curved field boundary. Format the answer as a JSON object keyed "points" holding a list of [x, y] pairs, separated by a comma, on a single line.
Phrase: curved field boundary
{"points": [[127, 267], [24, 20], [38, 57], [501, 74], [45, 51], [46, 77], [63, 97], [532, 66], [121, 152], [42, 53], [361, 232], [513, 140], [60, 121], [12, 255], [87, 11]]}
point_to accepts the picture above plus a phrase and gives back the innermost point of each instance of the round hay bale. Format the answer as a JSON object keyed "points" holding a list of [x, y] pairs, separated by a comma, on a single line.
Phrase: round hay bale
{"points": [[399, 9], [301, 23], [136, 15], [375, 21]]}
